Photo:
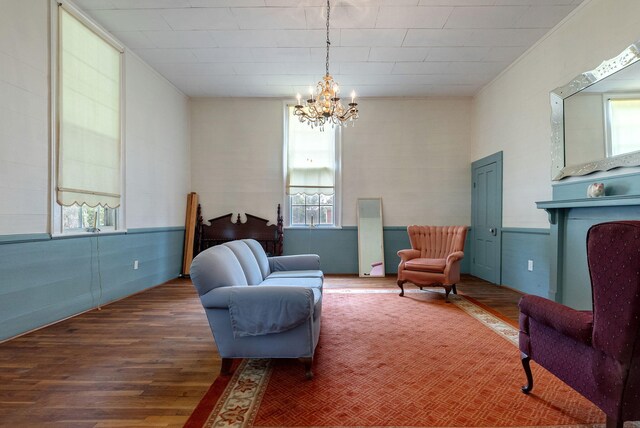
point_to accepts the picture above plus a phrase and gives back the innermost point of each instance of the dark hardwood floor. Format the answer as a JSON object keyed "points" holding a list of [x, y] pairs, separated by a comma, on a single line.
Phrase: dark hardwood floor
{"points": [[142, 361]]}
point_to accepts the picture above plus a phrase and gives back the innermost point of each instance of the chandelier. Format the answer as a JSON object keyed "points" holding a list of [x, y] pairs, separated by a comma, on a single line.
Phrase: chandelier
{"points": [[324, 104]]}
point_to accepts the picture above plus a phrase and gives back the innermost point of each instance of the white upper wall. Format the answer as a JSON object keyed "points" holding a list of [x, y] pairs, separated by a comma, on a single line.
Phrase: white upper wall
{"points": [[156, 125], [24, 122], [412, 153], [512, 113]]}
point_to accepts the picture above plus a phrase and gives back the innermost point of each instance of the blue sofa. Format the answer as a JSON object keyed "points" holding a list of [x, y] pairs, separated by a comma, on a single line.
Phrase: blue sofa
{"points": [[259, 306]]}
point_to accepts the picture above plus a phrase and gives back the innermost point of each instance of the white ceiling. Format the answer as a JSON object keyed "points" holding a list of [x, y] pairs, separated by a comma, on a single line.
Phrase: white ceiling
{"points": [[276, 48]]}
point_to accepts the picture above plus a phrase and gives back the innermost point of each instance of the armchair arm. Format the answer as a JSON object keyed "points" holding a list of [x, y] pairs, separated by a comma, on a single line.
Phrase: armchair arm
{"points": [[406, 255], [454, 257], [296, 262], [570, 322]]}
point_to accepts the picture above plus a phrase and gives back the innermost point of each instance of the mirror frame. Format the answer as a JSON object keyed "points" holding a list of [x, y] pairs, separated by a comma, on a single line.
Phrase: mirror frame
{"points": [[558, 168], [360, 273]]}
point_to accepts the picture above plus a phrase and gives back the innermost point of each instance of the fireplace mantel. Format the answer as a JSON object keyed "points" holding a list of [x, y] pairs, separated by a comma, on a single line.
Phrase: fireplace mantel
{"points": [[552, 207]]}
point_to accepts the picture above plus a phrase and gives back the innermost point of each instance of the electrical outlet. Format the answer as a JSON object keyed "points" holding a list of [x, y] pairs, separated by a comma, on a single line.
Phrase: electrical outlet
{"points": [[530, 265], [135, 264]]}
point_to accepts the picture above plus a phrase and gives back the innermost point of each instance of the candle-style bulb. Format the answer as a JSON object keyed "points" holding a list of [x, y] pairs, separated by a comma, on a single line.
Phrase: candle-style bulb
{"points": [[298, 97], [353, 96]]}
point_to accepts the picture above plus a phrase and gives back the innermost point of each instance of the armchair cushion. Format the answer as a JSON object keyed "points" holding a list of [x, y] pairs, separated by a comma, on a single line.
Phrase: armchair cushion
{"points": [[426, 265], [257, 311], [296, 274], [570, 322]]}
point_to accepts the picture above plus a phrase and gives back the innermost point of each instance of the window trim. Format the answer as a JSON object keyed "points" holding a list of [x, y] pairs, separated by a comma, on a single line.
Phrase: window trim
{"points": [[337, 198], [55, 216]]}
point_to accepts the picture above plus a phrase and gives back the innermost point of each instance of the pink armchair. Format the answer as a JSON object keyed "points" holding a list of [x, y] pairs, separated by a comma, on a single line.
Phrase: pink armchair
{"points": [[434, 257]]}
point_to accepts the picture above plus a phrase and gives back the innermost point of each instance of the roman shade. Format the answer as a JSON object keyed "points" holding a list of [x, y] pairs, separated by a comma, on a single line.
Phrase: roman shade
{"points": [[311, 159], [89, 129]]}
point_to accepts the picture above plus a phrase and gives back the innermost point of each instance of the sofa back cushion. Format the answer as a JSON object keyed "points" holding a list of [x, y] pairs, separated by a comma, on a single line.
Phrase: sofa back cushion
{"points": [[437, 242], [261, 256], [216, 267], [247, 260]]}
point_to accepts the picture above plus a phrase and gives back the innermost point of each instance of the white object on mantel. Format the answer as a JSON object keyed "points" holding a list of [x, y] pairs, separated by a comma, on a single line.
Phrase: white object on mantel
{"points": [[595, 190]]}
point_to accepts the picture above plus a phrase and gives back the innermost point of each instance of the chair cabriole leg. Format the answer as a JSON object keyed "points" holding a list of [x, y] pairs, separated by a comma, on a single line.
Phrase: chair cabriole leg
{"points": [[447, 290], [454, 289], [527, 371], [401, 285]]}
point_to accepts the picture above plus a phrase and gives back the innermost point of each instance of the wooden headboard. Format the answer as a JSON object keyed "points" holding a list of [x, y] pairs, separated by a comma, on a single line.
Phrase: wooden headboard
{"points": [[223, 229]]}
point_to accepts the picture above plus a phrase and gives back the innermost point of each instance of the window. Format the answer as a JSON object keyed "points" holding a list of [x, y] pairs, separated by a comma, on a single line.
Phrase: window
{"points": [[623, 125], [88, 142], [312, 174]]}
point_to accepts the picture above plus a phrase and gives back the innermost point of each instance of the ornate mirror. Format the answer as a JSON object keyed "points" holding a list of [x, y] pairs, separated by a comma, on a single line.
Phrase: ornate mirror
{"points": [[370, 240], [595, 118]]}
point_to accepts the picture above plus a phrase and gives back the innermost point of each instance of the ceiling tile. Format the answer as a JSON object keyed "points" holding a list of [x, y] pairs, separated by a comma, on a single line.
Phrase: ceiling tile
{"points": [[307, 38], [131, 20], [195, 69], [475, 37], [340, 54], [506, 54], [398, 54], [199, 19], [296, 68], [181, 39], [543, 16], [374, 37], [227, 3], [276, 18], [420, 68], [458, 53], [150, 4], [223, 54], [485, 17], [94, 4], [281, 54], [246, 38], [413, 17], [342, 17], [134, 39], [365, 67], [166, 55]]}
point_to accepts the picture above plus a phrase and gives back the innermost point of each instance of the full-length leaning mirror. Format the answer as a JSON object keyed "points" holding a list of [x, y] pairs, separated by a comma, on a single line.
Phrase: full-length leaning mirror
{"points": [[370, 242], [595, 118]]}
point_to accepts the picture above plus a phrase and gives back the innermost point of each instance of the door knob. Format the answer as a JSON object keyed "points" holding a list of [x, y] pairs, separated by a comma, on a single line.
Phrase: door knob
{"points": [[493, 231]]}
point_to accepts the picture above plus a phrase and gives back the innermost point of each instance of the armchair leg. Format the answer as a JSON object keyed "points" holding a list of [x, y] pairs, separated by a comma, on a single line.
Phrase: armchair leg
{"points": [[527, 371], [454, 289], [401, 285], [447, 290], [307, 362], [225, 368], [614, 423]]}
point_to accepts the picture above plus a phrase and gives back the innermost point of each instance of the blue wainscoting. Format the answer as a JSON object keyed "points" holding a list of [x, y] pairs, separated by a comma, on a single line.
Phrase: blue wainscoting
{"points": [[43, 280], [519, 245], [338, 248]]}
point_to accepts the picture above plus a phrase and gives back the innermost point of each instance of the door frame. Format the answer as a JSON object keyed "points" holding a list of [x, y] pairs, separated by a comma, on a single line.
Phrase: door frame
{"points": [[497, 159]]}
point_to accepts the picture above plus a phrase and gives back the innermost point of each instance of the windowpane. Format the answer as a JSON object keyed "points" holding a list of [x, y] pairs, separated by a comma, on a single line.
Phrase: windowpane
{"points": [[313, 199], [82, 218], [625, 125], [326, 199], [326, 216], [297, 215], [312, 215], [297, 199]]}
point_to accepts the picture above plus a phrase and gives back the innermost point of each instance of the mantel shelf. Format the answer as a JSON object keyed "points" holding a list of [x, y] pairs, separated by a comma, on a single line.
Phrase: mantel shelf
{"points": [[604, 201]]}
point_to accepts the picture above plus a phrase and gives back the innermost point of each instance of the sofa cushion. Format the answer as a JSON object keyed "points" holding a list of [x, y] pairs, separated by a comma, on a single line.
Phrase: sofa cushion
{"points": [[426, 265], [301, 282], [216, 267], [296, 274], [261, 256], [247, 260]]}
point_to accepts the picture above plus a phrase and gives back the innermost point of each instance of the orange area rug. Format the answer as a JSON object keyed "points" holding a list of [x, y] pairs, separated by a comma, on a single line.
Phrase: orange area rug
{"points": [[386, 361]]}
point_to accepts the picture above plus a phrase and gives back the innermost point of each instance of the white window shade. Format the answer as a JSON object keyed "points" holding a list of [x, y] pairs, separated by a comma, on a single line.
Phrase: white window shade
{"points": [[310, 159], [625, 125], [89, 137]]}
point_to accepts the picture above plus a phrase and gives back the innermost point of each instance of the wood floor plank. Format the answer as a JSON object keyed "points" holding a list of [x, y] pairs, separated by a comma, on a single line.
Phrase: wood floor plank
{"points": [[144, 361]]}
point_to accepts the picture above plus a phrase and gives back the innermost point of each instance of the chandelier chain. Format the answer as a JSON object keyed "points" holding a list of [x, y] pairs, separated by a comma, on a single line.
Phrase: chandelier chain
{"points": [[328, 41]]}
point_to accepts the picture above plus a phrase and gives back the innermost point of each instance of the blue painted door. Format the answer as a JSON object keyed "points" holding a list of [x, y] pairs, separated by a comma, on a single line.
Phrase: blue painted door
{"points": [[486, 222]]}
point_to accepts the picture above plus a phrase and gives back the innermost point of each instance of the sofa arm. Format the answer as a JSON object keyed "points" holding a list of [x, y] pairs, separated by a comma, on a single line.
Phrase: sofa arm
{"points": [[570, 322], [296, 262], [406, 255], [256, 311]]}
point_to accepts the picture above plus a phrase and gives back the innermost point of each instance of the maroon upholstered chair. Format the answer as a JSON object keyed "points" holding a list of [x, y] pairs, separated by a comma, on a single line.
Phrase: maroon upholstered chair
{"points": [[596, 353]]}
